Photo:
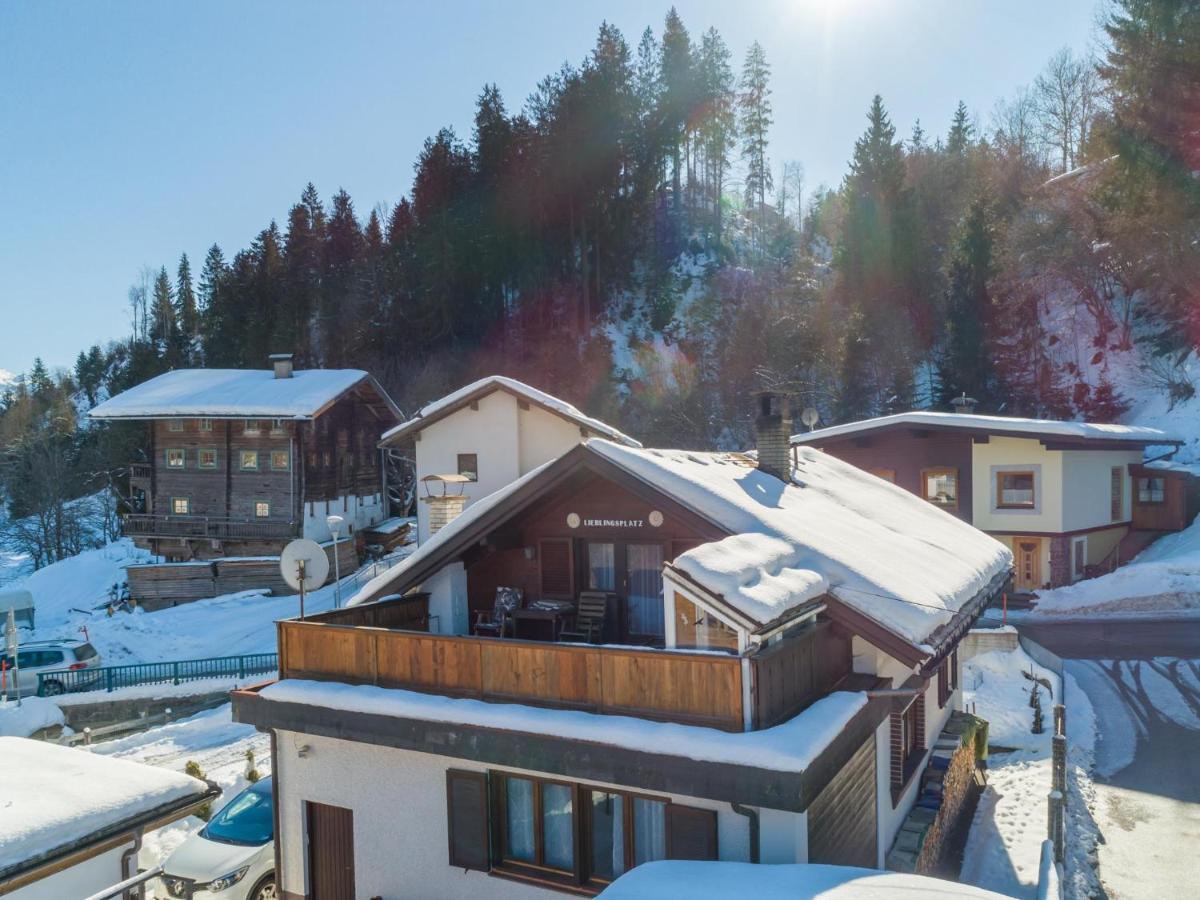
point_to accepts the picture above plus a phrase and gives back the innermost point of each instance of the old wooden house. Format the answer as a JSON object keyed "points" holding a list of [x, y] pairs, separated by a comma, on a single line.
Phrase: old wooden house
{"points": [[240, 462], [629, 655]]}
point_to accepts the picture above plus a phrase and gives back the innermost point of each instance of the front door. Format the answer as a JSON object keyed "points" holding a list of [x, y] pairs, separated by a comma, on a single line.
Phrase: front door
{"points": [[1028, 553], [330, 852]]}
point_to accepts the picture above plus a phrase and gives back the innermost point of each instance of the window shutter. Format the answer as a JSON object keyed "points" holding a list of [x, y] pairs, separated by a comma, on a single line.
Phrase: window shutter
{"points": [[897, 757], [467, 819], [954, 669], [555, 556], [691, 832]]}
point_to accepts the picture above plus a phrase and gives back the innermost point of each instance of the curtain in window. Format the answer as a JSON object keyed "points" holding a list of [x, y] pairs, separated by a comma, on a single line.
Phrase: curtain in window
{"points": [[649, 830], [558, 833], [645, 599], [602, 570], [518, 795], [608, 834]]}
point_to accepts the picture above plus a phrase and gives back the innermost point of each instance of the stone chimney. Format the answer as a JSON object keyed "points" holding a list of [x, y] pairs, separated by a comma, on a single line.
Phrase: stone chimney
{"points": [[445, 505], [773, 427], [282, 363]]}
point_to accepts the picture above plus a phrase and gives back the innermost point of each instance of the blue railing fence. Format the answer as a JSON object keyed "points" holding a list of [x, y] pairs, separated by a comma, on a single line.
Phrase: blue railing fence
{"points": [[111, 678]]}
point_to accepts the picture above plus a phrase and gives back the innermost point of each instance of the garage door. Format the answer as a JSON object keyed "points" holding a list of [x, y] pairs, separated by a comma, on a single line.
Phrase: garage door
{"points": [[841, 820]]}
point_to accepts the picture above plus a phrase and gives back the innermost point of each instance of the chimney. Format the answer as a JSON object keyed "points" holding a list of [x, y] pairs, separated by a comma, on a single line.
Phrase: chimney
{"points": [[282, 363], [773, 427], [444, 507], [964, 404]]}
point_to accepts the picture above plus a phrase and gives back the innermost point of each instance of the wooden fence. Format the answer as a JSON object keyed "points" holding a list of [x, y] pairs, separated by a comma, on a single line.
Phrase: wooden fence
{"points": [[793, 673], [693, 688]]}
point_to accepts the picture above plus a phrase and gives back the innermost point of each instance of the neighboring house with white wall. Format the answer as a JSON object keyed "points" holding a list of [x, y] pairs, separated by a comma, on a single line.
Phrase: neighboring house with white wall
{"points": [[73, 820], [492, 432], [1068, 498], [775, 661]]}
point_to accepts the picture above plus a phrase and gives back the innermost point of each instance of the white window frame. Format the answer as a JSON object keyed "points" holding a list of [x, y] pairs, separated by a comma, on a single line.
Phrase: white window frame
{"points": [[175, 425], [205, 424], [187, 501], [1078, 542], [264, 505]]}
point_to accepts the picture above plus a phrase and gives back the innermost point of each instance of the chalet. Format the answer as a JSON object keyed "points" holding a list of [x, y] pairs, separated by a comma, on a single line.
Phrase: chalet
{"points": [[628, 655], [485, 436], [1070, 499], [243, 461]]}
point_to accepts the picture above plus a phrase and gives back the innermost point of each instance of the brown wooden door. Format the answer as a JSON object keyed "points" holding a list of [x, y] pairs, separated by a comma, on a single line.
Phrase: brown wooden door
{"points": [[1028, 553], [330, 852]]}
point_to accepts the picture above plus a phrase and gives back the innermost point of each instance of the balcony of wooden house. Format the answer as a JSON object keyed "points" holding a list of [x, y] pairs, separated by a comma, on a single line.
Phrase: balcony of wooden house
{"points": [[148, 525], [387, 644]]}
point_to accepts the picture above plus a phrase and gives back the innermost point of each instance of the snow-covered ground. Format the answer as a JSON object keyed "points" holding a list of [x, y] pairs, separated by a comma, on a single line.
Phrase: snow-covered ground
{"points": [[32, 715], [1162, 579], [995, 685]]}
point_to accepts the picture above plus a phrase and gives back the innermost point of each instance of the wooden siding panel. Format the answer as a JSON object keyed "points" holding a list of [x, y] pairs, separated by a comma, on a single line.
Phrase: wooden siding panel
{"points": [[328, 651], [550, 673], [842, 818], [795, 672]]}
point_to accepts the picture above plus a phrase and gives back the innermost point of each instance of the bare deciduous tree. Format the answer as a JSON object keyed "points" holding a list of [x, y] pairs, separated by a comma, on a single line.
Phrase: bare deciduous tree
{"points": [[1066, 95]]}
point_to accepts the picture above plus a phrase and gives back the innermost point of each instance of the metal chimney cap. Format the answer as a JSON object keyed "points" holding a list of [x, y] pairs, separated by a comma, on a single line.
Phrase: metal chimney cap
{"points": [[964, 404]]}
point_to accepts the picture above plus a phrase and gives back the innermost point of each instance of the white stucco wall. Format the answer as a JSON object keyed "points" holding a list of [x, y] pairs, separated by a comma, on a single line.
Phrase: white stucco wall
{"points": [[398, 799], [359, 512], [88, 877], [1087, 487], [543, 437], [448, 606], [1001, 453]]}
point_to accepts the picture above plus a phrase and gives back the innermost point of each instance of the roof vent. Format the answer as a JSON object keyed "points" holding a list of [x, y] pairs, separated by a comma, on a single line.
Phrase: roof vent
{"points": [[964, 404], [282, 363]]}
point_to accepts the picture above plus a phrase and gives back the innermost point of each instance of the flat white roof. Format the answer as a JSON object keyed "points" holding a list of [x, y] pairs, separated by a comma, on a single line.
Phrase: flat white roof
{"points": [[54, 797], [1092, 431], [231, 393]]}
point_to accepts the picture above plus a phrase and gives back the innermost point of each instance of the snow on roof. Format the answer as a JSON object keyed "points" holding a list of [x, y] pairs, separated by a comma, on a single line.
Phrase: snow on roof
{"points": [[499, 382], [52, 797], [231, 393], [788, 747], [875, 547], [668, 879], [1094, 431]]}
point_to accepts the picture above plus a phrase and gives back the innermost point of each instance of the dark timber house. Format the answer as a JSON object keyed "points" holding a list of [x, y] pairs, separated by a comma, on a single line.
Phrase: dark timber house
{"points": [[628, 655], [243, 461]]}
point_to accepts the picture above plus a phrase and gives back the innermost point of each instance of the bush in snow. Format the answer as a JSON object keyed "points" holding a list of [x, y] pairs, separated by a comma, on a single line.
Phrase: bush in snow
{"points": [[252, 773], [204, 811]]}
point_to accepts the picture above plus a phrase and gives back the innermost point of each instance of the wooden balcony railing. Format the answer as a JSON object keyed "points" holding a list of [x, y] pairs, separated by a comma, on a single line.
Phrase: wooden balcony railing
{"points": [[139, 471], [148, 525], [692, 688]]}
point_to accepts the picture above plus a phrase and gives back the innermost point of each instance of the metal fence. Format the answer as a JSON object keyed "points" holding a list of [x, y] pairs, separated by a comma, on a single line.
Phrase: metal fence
{"points": [[110, 678]]}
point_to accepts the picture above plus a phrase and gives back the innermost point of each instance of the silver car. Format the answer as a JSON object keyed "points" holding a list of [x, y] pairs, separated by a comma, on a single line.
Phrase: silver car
{"points": [[73, 663]]}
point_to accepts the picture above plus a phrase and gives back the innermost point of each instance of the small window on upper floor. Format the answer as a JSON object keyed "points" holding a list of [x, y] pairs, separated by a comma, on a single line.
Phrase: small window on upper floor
{"points": [[176, 459], [206, 458], [174, 424], [277, 426], [1015, 490], [251, 426], [206, 425], [468, 466], [280, 460], [1152, 489], [940, 487], [249, 459]]}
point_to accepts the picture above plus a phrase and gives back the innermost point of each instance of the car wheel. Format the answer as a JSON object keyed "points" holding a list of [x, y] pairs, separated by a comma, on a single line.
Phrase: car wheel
{"points": [[52, 688], [265, 890]]}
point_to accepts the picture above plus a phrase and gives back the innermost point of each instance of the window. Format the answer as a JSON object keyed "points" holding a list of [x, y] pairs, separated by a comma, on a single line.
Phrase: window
{"points": [[468, 466], [176, 459], [602, 568], [249, 459], [280, 460], [250, 427], [885, 474], [175, 425], [328, 459], [206, 458], [262, 509], [277, 426], [206, 424], [537, 823], [696, 627], [1152, 489], [181, 506], [1117, 492], [1078, 558], [1015, 490], [941, 487]]}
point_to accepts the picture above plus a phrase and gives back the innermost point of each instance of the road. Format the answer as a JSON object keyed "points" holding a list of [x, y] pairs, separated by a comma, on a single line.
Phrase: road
{"points": [[1143, 680]]}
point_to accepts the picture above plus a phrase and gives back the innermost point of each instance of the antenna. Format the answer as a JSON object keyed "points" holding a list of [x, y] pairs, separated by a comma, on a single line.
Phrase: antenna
{"points": [[810, 417], [304, 565]]}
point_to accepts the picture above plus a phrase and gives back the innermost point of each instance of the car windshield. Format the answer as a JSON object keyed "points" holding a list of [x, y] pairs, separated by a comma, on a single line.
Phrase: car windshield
{"points": [[246, 820]]}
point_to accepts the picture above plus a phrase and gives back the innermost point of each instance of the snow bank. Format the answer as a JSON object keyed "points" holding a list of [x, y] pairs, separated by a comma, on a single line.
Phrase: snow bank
{"points": [[52, 796], [77, 584], [216, 393], [789, 747], [996, 684], [532, 394], [34, 714], [669, 879]]}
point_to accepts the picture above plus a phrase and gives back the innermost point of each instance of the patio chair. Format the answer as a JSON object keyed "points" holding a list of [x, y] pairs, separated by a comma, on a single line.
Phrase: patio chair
{"points": [[499, 619], [589, 618]]}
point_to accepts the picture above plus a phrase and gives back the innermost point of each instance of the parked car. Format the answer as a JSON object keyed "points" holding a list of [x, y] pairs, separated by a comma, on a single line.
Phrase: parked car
{"points": [[233, 856], [76, 660]]}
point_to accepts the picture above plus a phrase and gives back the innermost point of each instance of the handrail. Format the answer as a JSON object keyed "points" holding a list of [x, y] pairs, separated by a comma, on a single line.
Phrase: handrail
{"points": [[203, 526], [110, 678]]}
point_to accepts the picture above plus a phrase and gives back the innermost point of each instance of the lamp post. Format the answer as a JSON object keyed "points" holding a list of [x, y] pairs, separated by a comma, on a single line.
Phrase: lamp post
{"points": [[335, 524]]}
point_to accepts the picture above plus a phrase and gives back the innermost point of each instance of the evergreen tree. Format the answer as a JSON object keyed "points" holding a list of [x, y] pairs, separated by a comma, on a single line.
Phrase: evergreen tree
{"points": [[755, 122], [966, 364], [958, 141], [719, 128], [163, 325], [185, 297], [677, 99], [211, 275]]}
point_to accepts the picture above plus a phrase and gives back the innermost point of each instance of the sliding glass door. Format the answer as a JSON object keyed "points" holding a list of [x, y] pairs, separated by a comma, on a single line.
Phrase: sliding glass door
{"points": [[644, 590]]}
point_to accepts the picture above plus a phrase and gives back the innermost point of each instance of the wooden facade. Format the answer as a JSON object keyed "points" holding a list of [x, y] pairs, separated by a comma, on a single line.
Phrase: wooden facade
{"points": [[1163, 499]]}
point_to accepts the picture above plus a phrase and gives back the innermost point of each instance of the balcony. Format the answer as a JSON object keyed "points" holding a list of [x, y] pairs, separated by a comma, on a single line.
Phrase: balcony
{"points": [[140, 472], [205, 527], [375, 644]]}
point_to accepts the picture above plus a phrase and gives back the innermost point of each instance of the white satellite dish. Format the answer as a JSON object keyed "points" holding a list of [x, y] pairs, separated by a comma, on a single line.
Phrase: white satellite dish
{"points": [[810, 417], [304, 566]]}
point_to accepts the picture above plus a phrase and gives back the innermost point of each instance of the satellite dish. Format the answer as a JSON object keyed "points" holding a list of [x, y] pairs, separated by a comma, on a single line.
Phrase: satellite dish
{"points": [[312, 557], [810, 417]]}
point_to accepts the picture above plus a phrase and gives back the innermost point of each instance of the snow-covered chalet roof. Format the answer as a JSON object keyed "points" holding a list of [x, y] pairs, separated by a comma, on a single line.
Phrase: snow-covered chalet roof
{"points": [[235, 393], [476, 390], [54, 798], [835, 530], [1050, 428]]}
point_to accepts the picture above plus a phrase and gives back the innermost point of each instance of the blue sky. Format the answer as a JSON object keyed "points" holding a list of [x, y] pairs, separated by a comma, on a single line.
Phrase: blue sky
{"points": [[130, 132]]}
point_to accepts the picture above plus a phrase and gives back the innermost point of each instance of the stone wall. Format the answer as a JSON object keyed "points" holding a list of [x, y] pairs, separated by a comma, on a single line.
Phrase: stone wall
{"points": [[984, 640]]}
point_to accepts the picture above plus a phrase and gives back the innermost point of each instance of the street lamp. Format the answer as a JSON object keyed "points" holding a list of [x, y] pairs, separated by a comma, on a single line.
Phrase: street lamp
{"points": [[335, 524]]}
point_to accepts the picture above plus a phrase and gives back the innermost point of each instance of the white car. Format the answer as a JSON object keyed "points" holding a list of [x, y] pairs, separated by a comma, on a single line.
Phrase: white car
{"points": [[230, 858]]}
